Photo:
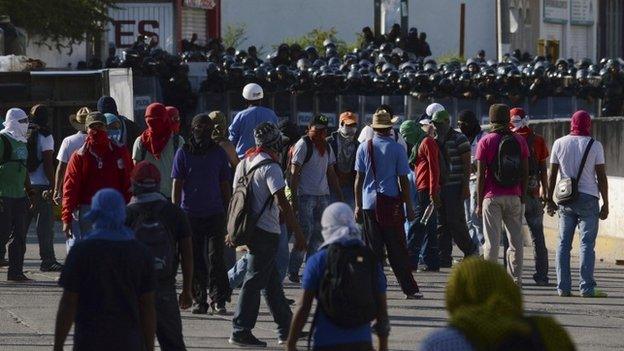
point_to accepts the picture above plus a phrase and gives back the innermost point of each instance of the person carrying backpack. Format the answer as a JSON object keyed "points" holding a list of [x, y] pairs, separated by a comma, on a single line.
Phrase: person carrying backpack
{"points": [[158, 144], [253, 215], [164, 228], [502, 176], [349, 285], [344, 145]]}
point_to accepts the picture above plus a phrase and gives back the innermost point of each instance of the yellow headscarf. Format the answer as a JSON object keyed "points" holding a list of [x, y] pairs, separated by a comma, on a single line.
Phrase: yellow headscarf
{"points": [[220, 131]]}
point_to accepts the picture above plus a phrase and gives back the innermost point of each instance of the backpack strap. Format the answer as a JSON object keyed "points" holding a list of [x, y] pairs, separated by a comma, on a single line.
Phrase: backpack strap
{"points": [[309, 149], [371, 152], [249, 174], [7, 149], [582, 166]]}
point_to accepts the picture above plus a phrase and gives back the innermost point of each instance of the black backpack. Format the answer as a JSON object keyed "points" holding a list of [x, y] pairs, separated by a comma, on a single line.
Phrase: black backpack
{"points": [[152, 232], [507, 165], [347, 293], [308, 155], [176, 145], [241, 222]]}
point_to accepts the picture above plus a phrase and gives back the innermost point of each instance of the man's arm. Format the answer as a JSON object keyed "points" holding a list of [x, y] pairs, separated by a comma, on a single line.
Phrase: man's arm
{"points": [[465, 158], [480, 186], [358, 186], [235, 130], [334, 185], [299, 318], [603, 186], [525, 179], [289, 217], [48, 166], [65, 318], [186, 251], [405, 196], [226, 193], [295, 174], [552, 181], [176, 191], [58, 182], [543, 180], [147, 319]]}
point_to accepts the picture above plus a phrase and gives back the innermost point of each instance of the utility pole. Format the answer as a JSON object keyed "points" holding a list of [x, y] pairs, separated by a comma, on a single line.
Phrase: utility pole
{"points": [[502, 28]]}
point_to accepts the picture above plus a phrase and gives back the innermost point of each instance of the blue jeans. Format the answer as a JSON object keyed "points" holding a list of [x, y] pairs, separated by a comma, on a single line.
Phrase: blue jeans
{"points": [[311, 209], [475, 226], [262, 277], [422, 241], [236, 274], [347, 194], [583, 212]]}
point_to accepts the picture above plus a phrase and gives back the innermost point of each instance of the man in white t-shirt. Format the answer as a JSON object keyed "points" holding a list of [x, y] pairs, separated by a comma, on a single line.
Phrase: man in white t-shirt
{"points": [[40, 164], [584, 212], [67, 148]]}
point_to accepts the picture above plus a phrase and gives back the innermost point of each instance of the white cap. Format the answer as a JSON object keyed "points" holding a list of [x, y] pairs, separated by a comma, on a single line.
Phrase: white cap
{"points": [[252, 92], [433, 108]]}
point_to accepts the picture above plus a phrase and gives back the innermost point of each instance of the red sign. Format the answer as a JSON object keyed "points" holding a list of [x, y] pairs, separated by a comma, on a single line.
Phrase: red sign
{"points": [[201, 4], [125, 28]]}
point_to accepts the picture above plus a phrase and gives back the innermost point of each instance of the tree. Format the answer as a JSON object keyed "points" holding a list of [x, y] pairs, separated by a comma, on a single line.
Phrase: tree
{"points": [[58, 23]]}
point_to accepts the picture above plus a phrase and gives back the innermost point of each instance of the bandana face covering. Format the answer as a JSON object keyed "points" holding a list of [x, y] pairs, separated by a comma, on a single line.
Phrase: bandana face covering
{"points": [[318, 137], [348, 131]]}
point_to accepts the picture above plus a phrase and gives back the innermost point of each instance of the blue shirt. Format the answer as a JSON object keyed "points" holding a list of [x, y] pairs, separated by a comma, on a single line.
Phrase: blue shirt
{"points": [[390, 162], [242, 127], [326, 333], [202, 176]]}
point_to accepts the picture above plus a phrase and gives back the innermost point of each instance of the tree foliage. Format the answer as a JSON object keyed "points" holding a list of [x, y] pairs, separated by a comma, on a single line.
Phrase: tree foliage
{"points": [[317, 36], [58, 23], [234, 36]]}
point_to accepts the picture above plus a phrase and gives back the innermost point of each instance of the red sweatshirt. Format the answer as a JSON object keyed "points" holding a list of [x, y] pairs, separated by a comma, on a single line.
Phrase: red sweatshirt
{"points": [[428, 166], [84, 178]]}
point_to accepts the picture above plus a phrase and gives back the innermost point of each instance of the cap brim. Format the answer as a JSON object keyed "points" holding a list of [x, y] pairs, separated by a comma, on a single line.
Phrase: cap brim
{"points": [[381, 126], [425, 121], [95, 122]]}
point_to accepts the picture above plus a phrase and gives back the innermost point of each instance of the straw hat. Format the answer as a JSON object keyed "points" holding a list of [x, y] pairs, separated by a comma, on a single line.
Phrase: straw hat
{"points": [[382, 119], [78, 119]]}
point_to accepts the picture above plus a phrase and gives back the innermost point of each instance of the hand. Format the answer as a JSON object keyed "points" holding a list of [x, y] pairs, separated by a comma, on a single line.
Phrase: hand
{"points": [[437, 202], [47, 195], [551, 207], [229, 242], [479, 211], [358, 215], [300, 242], [57, 198], [604, 211], [465, 193], [186, 299], [411, 215], [67, 230]]}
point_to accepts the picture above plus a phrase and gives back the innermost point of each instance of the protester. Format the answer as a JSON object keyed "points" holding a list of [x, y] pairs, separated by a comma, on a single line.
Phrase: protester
{"points": [[220, 136], [174, 118], [14, 192], [267, 183], [381, 189], [164, 228], [422, 239], [454, 179], [367, 132], [486, 313], [113, 128], [567, 157], [502, 175], [201, 187], [96, 165], [129, 129], [108, 284], [344, 145], [469, 125], [537, 191], [341, 238], [40, 164], [158, 144], [312, 177], [242, 127]]}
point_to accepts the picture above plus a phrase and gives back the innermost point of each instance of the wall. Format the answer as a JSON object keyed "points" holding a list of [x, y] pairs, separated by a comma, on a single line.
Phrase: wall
{"points": [[440, 20], [268, 22], [55, 59]]}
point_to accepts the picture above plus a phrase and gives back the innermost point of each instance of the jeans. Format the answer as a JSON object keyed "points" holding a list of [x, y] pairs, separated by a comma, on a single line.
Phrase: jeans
{"points": [[13, 228], [475, 226], [422, 241], [452, 225], [584, 213], [168, 320], [392, 238], [534, 215], [311, 209], [507, 210], [236, 274], [42, 212], [262, 277], [209, 272], [347, 194]]}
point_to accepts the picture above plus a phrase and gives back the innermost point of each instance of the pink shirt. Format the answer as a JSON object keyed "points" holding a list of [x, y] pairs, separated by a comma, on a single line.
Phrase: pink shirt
{"points": [[486, 152]]}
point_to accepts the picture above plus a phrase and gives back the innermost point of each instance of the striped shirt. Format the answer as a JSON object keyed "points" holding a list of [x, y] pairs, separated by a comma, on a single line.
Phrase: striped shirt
{"points": [[454, 147]]}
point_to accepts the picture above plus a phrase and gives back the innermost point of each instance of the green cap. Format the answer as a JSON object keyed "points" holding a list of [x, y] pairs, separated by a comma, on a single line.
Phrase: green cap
{"points": [[441, 117], [95, 117]]}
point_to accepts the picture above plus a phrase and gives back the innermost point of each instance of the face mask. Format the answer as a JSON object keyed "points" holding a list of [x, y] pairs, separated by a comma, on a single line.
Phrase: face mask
{"points": [[114, 135], [348, 131], [202, 135]]}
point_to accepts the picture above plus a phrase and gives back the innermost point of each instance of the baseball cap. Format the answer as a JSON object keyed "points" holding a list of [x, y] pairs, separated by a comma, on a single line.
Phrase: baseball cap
{"points": [[145, 175], [433, 108], [252, 92], [94, 118], [320, 120], [441, 116], [348, 117]]}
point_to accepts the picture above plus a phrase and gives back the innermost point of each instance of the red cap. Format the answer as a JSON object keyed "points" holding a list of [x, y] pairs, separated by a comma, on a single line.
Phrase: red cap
{"points": [[145, 174], [516, 111]]}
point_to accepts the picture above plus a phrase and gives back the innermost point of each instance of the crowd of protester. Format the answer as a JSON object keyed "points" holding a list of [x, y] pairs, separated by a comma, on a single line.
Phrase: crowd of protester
{"points": [[138, 204], [391, 64]]}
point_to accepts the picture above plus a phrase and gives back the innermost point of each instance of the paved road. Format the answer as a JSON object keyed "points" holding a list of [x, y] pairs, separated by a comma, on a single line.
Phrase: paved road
{"points": [[27, 311]]}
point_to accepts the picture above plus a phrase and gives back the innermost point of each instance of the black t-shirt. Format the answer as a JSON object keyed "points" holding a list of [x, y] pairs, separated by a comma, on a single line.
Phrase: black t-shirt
{"points": [[109, 278], [173, 218]]}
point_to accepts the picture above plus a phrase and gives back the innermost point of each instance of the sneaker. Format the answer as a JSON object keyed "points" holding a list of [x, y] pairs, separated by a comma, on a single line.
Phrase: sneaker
{"points": [[294, 278], [246, 340], [283, 341], [427, 269], [19, 279], [565, 294], [595, 293], [4, 262], [542, 282], [51, 267], [290, 301], [201, 308], [414, 296], [218, 309]]}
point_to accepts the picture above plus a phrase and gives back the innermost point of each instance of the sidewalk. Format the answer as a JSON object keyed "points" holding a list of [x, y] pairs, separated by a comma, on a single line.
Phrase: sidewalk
{"points": [[27, 311]]}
